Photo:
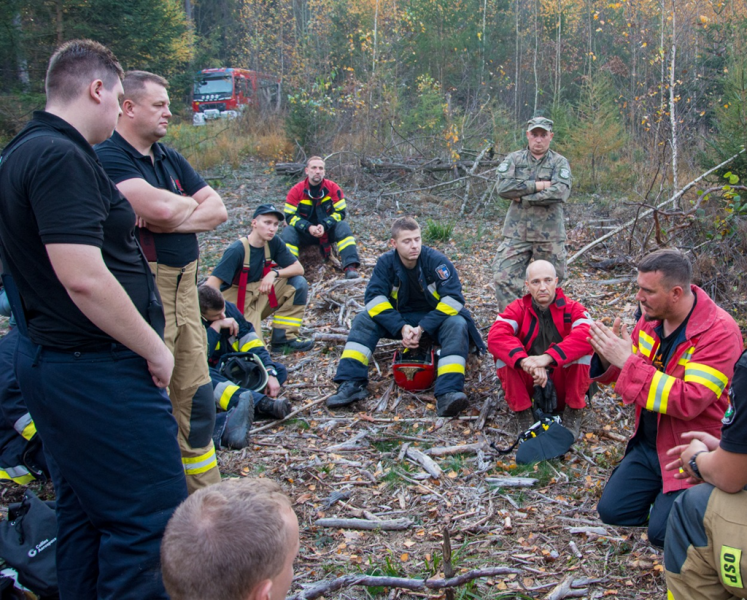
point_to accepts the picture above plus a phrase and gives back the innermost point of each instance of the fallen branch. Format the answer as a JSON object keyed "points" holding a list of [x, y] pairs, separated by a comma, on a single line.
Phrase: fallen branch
{"points": [[330, 337], [323, 588], [424, 461], [564, 590], [672, 200], [368, 524], [511, 481], [355, 443], [451, 450]]}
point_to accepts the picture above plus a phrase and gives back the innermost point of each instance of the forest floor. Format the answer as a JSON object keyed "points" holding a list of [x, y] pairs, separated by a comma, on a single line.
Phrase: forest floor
{"points": [[362, 462], [548, 534]]}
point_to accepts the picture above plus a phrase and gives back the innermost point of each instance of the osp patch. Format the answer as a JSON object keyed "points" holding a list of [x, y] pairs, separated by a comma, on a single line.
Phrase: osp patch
{"points": [[503, 167], [565, 173], [443, 272]]}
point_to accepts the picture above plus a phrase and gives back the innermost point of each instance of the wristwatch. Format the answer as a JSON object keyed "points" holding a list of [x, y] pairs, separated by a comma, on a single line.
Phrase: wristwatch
{"points": [[276, 271], [694, 465], [272, 371]]}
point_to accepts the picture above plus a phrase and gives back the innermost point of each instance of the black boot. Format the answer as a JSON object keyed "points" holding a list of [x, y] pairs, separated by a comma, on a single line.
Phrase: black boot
{"points": [[281, 343], [267, 408], [347, 393], [451, 404], [238, 423]]}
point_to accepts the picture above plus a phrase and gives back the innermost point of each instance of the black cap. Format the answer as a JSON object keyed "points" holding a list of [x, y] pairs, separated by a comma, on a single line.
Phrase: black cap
{"points": [[268, 209]]}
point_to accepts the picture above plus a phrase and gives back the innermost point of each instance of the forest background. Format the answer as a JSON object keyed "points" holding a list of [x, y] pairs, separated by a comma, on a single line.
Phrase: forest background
{"points": [[645, 94]]}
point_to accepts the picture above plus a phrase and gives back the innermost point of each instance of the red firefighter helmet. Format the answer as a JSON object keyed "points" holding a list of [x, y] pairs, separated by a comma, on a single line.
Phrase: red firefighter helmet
{"points": [[414, 373]]}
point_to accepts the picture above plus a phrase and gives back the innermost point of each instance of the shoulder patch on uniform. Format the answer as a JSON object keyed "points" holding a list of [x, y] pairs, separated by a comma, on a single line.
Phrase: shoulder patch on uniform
{"points": [[564, 173], [443, 272], [730, 411], [503, 167]]}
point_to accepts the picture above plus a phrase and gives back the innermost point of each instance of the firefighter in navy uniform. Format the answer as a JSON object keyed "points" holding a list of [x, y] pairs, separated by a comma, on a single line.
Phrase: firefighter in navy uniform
{"points": [[261, 277], [414, 290], [229, 332], [173, 204], [705, 555], [315, 209], [92, 383]]}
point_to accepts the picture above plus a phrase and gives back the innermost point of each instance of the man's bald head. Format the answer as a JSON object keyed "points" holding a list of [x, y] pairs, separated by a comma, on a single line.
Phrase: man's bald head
{"points": [[541, 282], [541, 265]]}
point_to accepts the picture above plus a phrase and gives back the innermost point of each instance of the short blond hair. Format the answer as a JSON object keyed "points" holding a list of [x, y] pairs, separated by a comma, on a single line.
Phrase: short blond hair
{"points": [[225, 539]]}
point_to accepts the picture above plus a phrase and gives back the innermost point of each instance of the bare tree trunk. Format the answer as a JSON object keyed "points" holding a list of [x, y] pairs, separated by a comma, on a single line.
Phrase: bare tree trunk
{"points": [[517, 60], [22, 66], [672, 101], [536, 49], [188, 10], [556, 95], [482, 47]]}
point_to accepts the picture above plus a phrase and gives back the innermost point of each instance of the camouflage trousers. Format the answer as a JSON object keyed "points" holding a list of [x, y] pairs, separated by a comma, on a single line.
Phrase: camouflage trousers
{"points": [[511, 262], [705, 553]]}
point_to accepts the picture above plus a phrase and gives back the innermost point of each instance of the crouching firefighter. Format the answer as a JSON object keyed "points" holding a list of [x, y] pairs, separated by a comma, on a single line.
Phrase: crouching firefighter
{"points": [[414, 290], [246, 381], [261, 277]]}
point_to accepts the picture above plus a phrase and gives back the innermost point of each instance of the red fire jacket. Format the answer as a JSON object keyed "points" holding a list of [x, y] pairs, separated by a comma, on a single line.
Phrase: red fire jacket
{"points": [[516, 328], [299, 205], [692, 394]]}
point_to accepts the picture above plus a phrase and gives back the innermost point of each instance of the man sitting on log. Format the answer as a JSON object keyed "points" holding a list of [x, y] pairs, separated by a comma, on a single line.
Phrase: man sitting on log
{"points": [[414, 291], [315, 209], [261, 277], [541, 337], [675, 367]]}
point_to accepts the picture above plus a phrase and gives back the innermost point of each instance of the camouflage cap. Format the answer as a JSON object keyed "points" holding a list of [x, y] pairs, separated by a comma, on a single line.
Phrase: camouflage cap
{"points": [[539, 123]]}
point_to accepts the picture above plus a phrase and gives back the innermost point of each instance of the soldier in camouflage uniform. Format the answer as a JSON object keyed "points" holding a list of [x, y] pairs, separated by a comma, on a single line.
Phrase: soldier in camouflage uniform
{"points": [[537, 181]]}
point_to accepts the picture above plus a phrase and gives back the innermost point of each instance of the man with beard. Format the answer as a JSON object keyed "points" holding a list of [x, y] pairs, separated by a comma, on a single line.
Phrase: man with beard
{"points": [[315, 209], [676, 368]]}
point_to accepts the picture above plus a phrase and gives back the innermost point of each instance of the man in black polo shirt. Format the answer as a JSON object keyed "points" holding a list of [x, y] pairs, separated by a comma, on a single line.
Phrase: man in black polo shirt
{"points": [[173, 203], [93, 384]]}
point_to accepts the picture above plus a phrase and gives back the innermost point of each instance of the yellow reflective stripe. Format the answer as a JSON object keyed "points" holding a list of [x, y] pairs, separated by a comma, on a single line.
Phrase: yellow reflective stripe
{"points": [[336, 216], [355, 355], [326, 198], [294, 219], [290, 209], [29, 431], [345, 242], [451, 364], [199, 464], [658, 393], [635, 349], [446, 309], [227, 394], [713, 379], [685, 358], [434, 292], [731, 570], [309, 202], [290, 321], [395, 292], [340, 204], [670, 595], [19, 479], [646, 343], [380, 308], [252, 344], [293, 249]]}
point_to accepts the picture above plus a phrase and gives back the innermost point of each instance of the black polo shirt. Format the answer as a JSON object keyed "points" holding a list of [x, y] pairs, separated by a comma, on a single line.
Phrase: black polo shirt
{"points": [[54, 191], [233, 260], [168, 170]]}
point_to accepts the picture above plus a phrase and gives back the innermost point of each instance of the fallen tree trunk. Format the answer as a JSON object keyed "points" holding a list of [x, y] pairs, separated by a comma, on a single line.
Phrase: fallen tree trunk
{"points": [[368, 524], [323, 588]]}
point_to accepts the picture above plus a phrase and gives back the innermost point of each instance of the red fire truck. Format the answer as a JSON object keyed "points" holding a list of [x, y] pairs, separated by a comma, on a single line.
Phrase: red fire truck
{"points": [[226, 92]]}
